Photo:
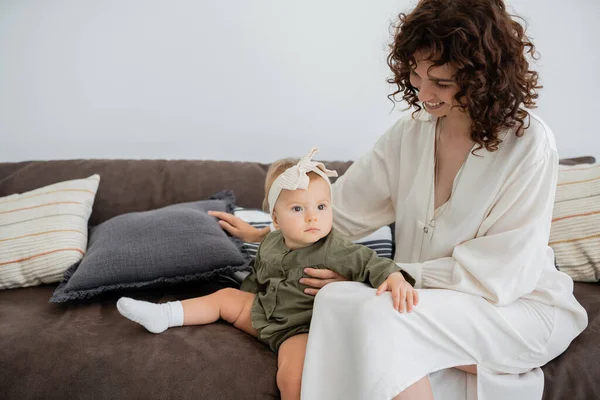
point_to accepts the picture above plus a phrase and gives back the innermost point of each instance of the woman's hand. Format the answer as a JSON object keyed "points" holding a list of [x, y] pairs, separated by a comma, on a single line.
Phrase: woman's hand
{"points": [[402, 292], [319, 278], [239, 228]]}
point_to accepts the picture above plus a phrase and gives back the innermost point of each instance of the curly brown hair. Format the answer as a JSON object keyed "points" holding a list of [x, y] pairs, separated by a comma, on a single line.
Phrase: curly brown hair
{"points": [[488, 49]]}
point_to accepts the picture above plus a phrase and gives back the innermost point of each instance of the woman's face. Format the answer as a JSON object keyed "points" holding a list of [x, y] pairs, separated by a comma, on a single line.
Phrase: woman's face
{"points": [[436, 86]]}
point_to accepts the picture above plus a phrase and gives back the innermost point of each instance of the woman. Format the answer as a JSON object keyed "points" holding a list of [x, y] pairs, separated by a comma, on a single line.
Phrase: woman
{"points": [[470, 181]]}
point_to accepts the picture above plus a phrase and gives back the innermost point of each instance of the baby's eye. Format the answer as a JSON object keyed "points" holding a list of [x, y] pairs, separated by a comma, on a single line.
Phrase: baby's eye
{"points": [[322, 207], [297, 208]]}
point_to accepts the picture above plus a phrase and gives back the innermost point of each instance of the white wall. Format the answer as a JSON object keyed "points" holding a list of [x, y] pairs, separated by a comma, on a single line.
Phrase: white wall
{"points": [[242, 79]]}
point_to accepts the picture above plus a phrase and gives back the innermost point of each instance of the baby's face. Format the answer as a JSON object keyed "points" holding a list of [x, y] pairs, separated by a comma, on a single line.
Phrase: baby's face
{"points": [[304, 216]]}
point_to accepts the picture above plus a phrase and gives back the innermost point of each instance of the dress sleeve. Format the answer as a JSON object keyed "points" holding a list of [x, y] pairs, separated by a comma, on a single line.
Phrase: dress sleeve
{"points": [[362, 201], [506, 258]]}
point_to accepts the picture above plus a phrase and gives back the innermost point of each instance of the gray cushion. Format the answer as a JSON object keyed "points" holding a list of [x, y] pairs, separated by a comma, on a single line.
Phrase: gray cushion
{"points": [[177, 243]]}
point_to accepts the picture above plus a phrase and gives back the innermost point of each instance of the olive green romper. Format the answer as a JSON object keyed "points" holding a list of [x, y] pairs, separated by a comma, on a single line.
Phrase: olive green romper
{"points": [[281, 309]]}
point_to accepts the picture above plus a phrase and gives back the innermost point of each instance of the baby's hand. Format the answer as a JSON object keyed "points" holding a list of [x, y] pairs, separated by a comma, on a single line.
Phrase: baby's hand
{"points": [[402, 292]]}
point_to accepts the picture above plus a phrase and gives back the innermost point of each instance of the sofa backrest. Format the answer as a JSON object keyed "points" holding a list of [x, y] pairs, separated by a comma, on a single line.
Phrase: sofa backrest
{"points": [[140, 185]]}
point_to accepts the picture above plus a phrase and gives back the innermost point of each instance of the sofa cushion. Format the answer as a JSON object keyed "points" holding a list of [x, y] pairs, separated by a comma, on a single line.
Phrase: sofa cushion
{"points": [[575, 232], [87, 350], [574, 374], [174, 244], [44, 231]]}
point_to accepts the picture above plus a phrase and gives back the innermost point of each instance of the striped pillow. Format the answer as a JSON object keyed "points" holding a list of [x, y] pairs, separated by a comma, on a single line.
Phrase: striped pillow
{"points": [[44, 232], [380, 241], [575, 232]]}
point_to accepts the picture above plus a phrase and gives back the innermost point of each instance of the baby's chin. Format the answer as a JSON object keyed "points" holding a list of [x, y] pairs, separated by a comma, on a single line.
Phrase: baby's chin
{"points": [[321, 234], [309, 238]]}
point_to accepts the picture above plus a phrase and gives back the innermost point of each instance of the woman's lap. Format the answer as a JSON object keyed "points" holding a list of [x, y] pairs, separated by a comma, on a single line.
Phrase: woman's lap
{"points": [[358, 336]]}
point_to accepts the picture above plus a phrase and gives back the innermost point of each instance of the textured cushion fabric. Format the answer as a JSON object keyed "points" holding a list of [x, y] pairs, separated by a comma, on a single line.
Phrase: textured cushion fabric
{"points": [[43, 232], [173, 244], [575, 233], [380, 241]]}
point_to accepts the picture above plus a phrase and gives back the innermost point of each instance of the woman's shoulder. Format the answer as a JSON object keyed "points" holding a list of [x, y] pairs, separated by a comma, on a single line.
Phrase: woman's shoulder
{"points": [[412, 119], [409, 125], [536, 143]]}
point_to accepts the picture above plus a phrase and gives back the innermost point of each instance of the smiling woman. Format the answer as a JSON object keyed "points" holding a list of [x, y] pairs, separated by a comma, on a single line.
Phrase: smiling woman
{"points": [[469, 180], [437, 89], [474, 66]]}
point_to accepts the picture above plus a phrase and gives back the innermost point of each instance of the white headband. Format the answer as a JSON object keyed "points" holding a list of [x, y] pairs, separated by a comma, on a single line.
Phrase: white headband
{"points": [[296, 177]]}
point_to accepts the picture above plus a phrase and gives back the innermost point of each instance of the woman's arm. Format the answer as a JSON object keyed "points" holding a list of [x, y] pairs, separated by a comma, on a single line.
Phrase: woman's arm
{"points": [[506, 258], [362, 198], [240, 228]]}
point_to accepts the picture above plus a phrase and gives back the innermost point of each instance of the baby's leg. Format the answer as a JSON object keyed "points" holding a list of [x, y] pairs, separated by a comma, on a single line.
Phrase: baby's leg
{"points": [[232, 305], [154, 317], [289, 366]]}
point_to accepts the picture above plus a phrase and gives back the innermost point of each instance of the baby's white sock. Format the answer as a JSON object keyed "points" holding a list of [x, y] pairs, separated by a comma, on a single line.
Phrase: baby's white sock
{"points": [[154, 317]]}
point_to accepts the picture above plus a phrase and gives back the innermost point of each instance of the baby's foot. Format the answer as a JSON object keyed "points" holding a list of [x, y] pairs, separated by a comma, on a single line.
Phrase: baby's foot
{"points": [[154, 317]]}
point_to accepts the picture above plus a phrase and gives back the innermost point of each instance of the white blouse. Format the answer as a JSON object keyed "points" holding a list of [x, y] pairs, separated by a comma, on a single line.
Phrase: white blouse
{"points": [[490, 239]]}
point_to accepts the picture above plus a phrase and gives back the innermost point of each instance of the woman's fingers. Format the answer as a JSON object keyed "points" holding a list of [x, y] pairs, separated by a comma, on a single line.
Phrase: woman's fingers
{"points": [[410, 298], [402, 307], [322, 274], [229, 228], [223, 215], [232, 220], [239, 228], [396, 297], [316, 283], [319, 278]]}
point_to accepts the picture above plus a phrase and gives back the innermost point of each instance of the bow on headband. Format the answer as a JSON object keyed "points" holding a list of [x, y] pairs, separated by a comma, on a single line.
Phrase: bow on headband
{"points": [[296, 177]]}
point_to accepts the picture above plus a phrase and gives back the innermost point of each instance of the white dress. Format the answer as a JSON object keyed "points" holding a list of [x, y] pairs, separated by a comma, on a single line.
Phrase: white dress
{"points": [[489, 292]]}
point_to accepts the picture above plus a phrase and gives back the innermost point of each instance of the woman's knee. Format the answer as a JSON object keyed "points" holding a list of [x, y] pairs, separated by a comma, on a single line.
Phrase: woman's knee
{"points": [[334, 287], [376, 305], [338, 291]]}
